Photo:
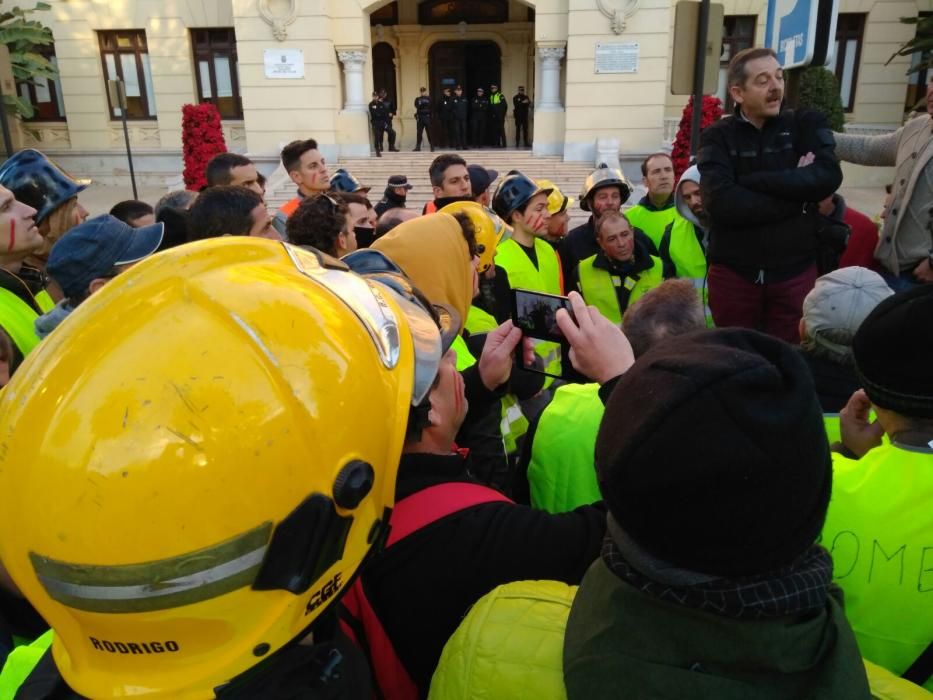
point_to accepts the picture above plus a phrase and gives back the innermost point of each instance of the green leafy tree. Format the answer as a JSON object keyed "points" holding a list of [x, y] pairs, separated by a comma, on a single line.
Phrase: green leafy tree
{"points": [[819, 90], [21, 36], [922, 43]]}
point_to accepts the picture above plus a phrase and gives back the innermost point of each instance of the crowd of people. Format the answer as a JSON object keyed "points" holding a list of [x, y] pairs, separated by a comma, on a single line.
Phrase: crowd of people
{"points": [[307, 453]]}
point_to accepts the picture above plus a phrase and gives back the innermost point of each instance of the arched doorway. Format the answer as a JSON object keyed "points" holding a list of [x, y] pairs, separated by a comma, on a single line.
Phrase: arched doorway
{"points": [[471, 64], [384, 70]]}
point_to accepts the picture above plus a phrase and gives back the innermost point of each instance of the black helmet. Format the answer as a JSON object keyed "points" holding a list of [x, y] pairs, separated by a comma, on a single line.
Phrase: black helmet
{"points": [[37, 181], [343, 181], [513, 192], [604, 176]]}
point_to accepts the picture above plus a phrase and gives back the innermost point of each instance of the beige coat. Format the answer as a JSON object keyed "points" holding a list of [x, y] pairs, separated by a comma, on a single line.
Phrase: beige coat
{"points": [[908, 149]]}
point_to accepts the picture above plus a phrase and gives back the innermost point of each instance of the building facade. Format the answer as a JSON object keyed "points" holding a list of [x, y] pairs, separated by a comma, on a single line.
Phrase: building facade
{"points": [[284, 69]]}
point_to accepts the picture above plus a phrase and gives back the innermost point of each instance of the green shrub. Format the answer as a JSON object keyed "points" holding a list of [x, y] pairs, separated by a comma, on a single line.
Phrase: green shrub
{"points": [[819, 90]]}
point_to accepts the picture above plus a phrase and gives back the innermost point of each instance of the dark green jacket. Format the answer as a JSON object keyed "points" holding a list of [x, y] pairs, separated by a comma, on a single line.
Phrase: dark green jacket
{"points": [[622, 643]]}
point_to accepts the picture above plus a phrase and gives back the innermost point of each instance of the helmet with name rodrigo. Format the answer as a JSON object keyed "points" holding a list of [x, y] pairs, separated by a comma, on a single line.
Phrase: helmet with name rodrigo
{"points": [[513, 192], [201, 502], [490, 229], [604, 176]]}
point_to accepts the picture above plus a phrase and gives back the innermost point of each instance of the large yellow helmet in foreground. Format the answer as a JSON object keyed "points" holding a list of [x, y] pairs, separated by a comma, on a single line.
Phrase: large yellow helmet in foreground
{"points": [[185, 484]]}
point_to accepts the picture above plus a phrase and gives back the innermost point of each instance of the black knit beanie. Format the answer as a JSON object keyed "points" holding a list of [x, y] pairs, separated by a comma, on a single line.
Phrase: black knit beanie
{"points": [[712, 453], [893, 351]]}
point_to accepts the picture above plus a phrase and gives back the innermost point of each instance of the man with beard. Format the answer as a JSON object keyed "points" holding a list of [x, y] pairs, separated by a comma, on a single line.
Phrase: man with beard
{"points": [[763, 170], [683, 245]]}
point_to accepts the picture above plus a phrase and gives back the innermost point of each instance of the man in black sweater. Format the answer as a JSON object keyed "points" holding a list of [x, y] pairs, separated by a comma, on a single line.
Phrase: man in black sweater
{"points": [[762, 171]]}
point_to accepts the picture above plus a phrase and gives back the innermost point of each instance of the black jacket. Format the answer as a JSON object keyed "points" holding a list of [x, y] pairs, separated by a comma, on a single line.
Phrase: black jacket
{"points": [[520, 105], [580, 244], [447, 108], [421, 587], [389, 200], [479, 107], [834, 383], [460, 107], [423, 107], [379, 113], [755, 194]]}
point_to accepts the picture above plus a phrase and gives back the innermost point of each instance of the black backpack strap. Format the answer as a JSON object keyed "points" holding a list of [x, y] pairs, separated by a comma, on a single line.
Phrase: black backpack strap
{"points": [[921, 669]]}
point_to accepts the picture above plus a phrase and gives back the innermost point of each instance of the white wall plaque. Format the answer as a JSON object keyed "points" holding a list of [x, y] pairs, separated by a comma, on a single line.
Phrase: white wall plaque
{"points": [[617, 58], [284, 64]]}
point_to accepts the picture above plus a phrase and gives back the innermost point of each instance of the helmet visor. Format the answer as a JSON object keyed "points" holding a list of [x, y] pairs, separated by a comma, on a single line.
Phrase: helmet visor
{"points": [[430, 334]]}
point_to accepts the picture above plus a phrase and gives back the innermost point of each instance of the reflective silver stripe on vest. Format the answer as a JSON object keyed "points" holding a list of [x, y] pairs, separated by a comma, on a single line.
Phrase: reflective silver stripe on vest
{"points": [[157, 585]]}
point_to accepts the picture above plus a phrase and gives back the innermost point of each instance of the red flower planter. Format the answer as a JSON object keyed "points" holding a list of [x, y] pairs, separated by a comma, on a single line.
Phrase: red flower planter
{"points": [[202, 138], [680, 151]]}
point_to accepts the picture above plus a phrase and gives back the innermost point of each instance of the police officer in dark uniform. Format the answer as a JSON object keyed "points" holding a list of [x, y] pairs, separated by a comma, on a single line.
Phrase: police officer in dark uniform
{"points": [[390, 115], [448, 119], [378, 118], [498, 107], [423, 118], [461, 106], [479, 107], [520, 106]]}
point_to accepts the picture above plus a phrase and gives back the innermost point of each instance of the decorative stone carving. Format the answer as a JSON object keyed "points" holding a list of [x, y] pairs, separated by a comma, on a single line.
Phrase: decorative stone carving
{"points": [[235, 133], [551, 55], [353, 59], [278, 14], [46, 136], [549, 97], [140, 136], [618, 16]]}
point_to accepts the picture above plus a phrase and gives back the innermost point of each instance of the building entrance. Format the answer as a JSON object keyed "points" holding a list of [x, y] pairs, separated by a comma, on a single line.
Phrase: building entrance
{"points": [[470, 64]]}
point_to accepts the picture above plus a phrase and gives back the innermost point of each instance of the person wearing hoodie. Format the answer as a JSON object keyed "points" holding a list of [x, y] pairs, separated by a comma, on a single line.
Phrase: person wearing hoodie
{"points": [[90, 255], [622, 272], [683, 245], [709, 583]]}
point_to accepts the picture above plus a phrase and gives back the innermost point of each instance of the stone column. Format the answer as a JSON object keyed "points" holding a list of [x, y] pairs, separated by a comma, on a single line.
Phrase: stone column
{"points": [[353, 60], [549, 100]]}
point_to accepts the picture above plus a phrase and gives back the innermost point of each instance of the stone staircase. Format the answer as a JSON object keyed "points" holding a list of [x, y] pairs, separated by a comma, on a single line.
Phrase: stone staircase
{"points": [[375, 172]]}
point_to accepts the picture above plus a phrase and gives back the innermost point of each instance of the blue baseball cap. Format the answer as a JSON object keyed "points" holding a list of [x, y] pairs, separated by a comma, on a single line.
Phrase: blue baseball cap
{"points": [[92, 249]]}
